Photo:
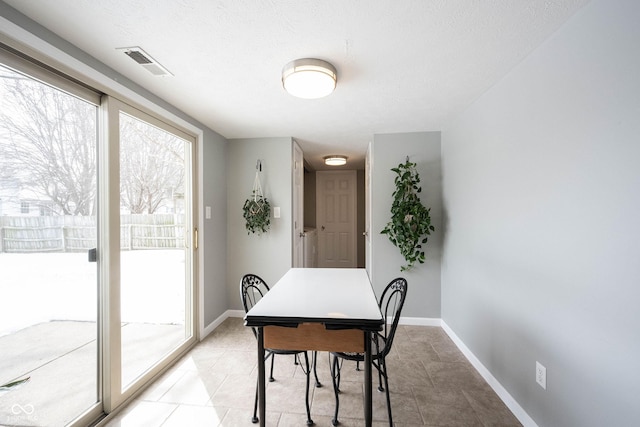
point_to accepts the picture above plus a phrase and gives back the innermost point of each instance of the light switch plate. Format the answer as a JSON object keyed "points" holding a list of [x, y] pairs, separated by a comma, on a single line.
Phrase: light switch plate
{"points": [[276, 212]]}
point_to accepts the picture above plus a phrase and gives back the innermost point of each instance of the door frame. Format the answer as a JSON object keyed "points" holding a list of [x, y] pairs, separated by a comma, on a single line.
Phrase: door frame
{"points": [[297, 205], [368, 162]]}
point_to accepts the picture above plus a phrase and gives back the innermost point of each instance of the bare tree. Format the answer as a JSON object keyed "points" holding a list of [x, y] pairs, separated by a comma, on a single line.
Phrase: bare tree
{"points": [[151, 166], [48, 143]]}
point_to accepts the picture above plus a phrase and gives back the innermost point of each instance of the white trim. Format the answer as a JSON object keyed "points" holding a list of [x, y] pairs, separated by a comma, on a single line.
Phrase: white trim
{"points": [[235, 313], [224, 316], [511, 403], [420, 321], [200, 333]]}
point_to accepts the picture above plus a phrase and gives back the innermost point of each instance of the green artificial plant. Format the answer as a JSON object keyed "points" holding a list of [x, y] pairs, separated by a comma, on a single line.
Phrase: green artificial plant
{"points": [[256, 209], [410, 220]]}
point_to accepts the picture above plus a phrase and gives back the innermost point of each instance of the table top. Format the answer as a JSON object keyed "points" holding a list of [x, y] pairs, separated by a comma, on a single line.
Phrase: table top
{"points": [[337, 297]]}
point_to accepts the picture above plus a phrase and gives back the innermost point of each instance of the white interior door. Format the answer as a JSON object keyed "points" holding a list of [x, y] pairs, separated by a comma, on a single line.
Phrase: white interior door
{"points": [[336, 218], [298, 206]]}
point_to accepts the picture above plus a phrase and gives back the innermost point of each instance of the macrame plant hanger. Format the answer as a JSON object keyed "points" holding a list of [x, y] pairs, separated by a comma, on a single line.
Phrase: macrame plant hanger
{"points": [[258, 197]]}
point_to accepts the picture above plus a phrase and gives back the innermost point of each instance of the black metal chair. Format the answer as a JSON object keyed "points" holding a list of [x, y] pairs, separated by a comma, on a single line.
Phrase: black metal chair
{"points": [[391, 303], [252, 289]]}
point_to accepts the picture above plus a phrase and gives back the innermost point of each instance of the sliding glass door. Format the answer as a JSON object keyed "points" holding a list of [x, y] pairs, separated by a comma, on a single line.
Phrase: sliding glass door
{"points": [[97, 247], [148, 220], [49, 340], [154, 251]]}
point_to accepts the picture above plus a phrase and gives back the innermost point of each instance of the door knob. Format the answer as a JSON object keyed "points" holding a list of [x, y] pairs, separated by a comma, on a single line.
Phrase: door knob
{"points": [[323, 228]]}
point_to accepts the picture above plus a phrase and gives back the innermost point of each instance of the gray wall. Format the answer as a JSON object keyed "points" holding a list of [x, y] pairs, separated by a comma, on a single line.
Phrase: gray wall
{"points": [[387, 151], [214, 238], [542, 193], [267, 255]]}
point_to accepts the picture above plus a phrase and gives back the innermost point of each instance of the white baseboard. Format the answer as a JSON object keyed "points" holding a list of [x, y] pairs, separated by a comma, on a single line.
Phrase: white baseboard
{"points": [[235, 313], [508, 400], [213, 325], [420, 321]]}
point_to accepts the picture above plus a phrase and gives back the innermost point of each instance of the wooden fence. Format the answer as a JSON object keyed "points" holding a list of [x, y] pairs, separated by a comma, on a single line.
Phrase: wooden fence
{"points": [[78, 233]]}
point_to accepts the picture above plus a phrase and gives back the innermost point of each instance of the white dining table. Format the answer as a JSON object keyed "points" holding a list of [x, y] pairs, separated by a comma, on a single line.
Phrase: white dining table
{"points": [[320, 309]]}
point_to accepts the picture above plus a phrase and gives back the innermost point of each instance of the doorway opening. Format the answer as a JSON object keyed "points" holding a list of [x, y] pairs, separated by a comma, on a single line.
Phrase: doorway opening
{"points": [[313, 212]]}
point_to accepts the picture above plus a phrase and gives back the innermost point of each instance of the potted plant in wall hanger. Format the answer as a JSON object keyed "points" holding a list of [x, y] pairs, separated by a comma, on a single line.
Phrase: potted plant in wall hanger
{"points": [[410, 220], [256, 209]]}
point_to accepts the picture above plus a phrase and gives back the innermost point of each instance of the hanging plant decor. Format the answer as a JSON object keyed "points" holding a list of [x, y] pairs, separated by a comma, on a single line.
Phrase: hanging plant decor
{"points": [[257, 210], [410, 221]]}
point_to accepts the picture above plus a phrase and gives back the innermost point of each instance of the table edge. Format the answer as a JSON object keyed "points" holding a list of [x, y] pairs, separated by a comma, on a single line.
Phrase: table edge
{"points": [[329, 322]]}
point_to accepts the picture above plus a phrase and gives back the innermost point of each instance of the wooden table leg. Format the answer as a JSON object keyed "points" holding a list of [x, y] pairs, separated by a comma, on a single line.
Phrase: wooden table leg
{"points": [[261, 383], [368, 410]]}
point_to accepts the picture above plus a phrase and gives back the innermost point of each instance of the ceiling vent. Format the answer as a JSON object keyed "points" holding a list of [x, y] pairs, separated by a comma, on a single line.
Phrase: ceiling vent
{"points": [[146, 61]]}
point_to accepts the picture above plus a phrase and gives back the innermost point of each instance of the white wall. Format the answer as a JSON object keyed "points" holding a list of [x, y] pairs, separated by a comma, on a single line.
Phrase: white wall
{"points": [[387, 151], [267, 255], [542, 193]]}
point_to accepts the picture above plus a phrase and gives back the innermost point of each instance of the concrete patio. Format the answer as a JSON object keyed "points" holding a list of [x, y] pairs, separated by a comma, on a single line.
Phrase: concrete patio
{"points": [[48, 328], [60, 357]]}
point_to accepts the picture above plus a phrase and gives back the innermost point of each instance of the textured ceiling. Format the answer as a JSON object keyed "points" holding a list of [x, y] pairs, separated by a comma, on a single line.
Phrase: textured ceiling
{"points": [[403, 66]]}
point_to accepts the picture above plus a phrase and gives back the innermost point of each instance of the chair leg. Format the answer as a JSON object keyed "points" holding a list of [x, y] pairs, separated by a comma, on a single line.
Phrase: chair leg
{"points": [[273, 357], [380, 367], [308, 372], [383, 366], [315, 370], [335, 378]]}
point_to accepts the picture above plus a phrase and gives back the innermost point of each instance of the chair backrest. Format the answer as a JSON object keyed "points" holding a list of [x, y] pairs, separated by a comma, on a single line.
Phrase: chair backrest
{"points": [[391, 303], [252, 289]]}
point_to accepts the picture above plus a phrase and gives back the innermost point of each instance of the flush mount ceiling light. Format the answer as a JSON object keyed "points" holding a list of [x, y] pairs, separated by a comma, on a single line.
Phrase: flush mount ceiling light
{"points": [[309, 78], [335, 160]]}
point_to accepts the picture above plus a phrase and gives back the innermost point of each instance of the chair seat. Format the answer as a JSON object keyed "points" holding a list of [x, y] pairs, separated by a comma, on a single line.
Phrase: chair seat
{"points": [[284, 352], [356, 357]]}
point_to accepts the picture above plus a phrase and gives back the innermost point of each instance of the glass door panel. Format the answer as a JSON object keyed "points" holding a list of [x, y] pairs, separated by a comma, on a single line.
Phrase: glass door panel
{"points": [[154, 258], [48, 289]]}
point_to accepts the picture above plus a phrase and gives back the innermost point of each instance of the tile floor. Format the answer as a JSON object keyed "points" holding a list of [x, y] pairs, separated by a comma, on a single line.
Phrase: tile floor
{"points": [[432, 384]]}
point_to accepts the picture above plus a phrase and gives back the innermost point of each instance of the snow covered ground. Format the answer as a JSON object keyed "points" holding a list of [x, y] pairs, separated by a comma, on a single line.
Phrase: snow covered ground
{"points": [[42, 287]]}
